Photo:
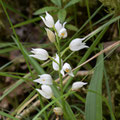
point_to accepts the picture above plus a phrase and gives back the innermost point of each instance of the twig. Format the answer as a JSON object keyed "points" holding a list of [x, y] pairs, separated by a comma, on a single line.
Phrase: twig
{"points": [[103, 51], [28, 110]]}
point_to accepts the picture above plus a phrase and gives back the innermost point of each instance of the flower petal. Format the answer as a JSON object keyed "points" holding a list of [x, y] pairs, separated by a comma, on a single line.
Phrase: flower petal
{"points": [[46, 91], [48, 20], [62, 72], [71, 74], [40, 54], [62, 33], [67, 68], [64, 24], [44, 94], [77, 44], [77, 85], [58, 26], [55, 65], [44, 79]]}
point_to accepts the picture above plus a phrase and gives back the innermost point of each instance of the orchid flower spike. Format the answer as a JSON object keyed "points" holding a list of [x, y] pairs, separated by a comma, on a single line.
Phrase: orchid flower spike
{"points": [[77, 44], [61, 30], [45, 91], [55, 65], [44, 79], [67, 68], [77, 85], [48, 20], [58, 111], [40, 54], [50, 35]]}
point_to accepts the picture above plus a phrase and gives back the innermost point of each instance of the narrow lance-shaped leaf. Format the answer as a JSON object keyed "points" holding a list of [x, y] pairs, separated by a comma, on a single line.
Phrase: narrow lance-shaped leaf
{"points": [[44, 9], [57, 2], [62, 15], [93, 106]]}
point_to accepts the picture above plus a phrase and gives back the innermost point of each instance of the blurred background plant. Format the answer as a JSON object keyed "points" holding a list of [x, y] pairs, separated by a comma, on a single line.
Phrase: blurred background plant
{"points": [[113, 5], [82, 17]]}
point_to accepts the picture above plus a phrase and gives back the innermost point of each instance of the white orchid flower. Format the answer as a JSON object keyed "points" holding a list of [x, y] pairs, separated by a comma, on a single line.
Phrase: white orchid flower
{"points": [[77, 85], [50, 35], [55, 65], [40, 54], [48, 20], [77, 44], [62, 33], [67, 68], [58, 111], [61, 30], [45, 91], [44, 79]]}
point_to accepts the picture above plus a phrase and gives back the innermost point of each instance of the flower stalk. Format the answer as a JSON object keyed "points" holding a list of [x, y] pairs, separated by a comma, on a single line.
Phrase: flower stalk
{"points": [[60, 75], [56, 32]]}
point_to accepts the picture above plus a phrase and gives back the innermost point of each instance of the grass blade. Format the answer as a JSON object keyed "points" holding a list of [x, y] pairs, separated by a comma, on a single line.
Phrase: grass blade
{"points": [[108, 92], [72, 2], [93, 106], [7, 115]]}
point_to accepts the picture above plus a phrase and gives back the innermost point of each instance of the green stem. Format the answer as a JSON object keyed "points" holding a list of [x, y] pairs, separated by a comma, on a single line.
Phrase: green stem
{"points": [[58, 103], [16, 37], [41, 103], [67, 48], [60, 75], [59, 54], [42, 106], [53, 59]]}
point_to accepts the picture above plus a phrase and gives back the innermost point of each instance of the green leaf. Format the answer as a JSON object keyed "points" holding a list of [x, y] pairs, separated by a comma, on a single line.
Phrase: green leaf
{"points": [[87, 54], [93, 106], [12, 87], [33, 20], [7, 115], [44, 9], [56, 2], [35, 64], [72, 2], [70, 113], [8, 6], [71, 27], [62, 15], [109, 94], [53, 102]]}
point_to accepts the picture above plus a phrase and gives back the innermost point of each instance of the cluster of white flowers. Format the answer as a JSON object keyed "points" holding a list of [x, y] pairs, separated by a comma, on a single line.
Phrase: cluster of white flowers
{"points": [[46, 80], [60, 31]]}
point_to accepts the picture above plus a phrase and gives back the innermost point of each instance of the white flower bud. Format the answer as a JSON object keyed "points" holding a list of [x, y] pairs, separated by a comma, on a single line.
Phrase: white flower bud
{"points": [[44, 79], [40, 54], [50, 35], [55, 65], [58, 111], [77, 44], [77, 85], [67, 68], [45, 91], [48, 20]]}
